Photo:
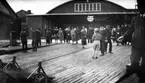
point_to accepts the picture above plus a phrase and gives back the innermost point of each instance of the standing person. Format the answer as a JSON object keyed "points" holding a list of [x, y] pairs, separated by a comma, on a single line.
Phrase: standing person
{"points": [[96, 42], [127, 38], [83, 36], [48, 36], [114, 34], [23, 36], [77, 34], [55, 34], [60, 35], [68, 35], [108, 34], [38, 37], [118, 34], [137, 30], [65, 34], [73, 35], [90, 34], [34, 42], [102, 41]]}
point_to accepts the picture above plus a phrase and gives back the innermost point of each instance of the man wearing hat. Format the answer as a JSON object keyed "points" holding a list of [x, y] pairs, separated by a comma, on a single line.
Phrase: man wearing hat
{"points": [[23, 36], [137, 30]]}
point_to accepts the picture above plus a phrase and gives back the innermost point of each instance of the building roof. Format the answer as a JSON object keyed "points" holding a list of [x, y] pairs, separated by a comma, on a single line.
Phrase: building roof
{"points": [[107, 8], [6, 9], [23, 13]]}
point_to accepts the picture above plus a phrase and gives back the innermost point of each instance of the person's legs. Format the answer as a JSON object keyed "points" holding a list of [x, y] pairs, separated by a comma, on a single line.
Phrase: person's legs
{"points": [[135, 59], [110, 46], [102, 47], [23, 46], [143, 60], [105, 46], [35, 46], [142, 70], [93, 53], [94, 50], [135, 56], [26, 46]]}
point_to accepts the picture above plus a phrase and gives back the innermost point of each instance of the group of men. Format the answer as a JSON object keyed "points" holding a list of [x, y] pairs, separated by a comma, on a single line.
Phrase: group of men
{"points": [[36, 39], [106, 32]]}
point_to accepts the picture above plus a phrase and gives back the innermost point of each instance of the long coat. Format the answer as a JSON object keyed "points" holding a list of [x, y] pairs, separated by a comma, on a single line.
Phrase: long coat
{"points": [[73, 35], [84, 37], [60, 35]]}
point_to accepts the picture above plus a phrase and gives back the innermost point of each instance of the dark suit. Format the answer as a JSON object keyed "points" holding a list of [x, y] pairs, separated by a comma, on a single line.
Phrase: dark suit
{"points": [[24, 40], [108, 35], [89, 35], [137, 30], [102, 41], [48, 36], [34, 42], [38, 38]]}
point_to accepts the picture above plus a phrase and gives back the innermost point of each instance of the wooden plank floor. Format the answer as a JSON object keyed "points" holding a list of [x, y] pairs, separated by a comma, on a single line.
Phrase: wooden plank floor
{"points": [[77, 65], [84, 69]]}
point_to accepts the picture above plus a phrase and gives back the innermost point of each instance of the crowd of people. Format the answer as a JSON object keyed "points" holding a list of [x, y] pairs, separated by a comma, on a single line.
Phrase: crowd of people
{"points": [[72, 35]]}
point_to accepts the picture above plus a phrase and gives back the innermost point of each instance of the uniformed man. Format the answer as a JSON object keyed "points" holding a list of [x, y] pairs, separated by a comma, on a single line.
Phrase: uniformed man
{"points": [[23, 36], [137, 30]]}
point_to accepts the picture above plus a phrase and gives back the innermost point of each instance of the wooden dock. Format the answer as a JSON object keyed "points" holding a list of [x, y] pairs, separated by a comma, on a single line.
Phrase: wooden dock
{"points": [[72, 64]]}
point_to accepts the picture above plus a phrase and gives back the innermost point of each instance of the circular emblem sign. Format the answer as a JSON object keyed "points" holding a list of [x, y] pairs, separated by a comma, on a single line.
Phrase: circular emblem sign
{"points": [[90, 18]]}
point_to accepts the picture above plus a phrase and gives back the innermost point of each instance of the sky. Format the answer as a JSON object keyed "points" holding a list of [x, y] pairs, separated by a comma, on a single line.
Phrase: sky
{"points": [[43, 6]]}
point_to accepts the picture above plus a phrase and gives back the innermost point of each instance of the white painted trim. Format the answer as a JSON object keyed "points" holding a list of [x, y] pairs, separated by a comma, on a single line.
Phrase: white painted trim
{"points": [[92, 6], [95, 13]]}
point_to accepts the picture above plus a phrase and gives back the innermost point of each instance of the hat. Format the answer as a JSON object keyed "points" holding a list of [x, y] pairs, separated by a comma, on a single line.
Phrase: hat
{"points": [[141, 6]]}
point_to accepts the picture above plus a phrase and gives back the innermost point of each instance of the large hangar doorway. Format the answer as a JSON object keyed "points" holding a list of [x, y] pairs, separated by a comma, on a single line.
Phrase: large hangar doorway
{"points": [[64, 21]]}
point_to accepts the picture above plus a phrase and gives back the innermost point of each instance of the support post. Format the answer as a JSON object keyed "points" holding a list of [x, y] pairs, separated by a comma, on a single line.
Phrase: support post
{"points": [[13, 65]]}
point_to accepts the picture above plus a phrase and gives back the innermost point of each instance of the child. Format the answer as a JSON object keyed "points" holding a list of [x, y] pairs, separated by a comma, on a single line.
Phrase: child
{"points": [[96, 42]]}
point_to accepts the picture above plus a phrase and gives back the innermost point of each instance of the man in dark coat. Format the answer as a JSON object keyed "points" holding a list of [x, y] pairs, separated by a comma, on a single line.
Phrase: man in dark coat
{"points": [[137, 30], [108, 35], [34, 42], [48, 36], [23, 36], [102, 41], [90, 34], [38, 37]]}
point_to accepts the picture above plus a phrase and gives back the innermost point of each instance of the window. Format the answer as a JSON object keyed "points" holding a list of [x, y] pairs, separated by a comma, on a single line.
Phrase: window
{"points": [[84, 8], [76, 7], [95, 7], [98, 7], [89, 7], [80, 7]]}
